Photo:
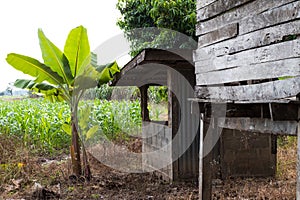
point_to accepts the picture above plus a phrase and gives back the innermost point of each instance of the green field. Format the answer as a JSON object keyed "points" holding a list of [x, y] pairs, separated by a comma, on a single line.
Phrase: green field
{"points": [[39, 123]]}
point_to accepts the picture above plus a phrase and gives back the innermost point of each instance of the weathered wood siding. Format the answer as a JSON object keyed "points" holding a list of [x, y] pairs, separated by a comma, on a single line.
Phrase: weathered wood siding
{"points": [[242, 41]]}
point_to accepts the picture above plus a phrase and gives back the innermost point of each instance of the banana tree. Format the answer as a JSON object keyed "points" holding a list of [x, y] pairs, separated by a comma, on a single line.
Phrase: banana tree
{"points": [[64, 76]]}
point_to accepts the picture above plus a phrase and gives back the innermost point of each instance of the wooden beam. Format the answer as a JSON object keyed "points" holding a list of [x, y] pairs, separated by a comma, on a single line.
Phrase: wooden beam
{"points": [[272, 17], [264, 91], [259, 125], [250, 57], [218, 7], [267, 70], [235, 15], [218, 35], [251, 40], [144, 102]]}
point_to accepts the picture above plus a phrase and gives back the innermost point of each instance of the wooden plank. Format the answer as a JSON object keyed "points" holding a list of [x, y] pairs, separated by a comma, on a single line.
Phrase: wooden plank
{"points": [[264, 91], [218, 7], [268, 70], [254, 39], [259, 125], [235, 15], [254, 56], [272, 17], [221, 34], [203, 3]]}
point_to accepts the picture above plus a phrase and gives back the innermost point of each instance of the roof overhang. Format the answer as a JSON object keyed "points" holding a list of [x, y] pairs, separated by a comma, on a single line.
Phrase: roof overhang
{"points": [[151, 67]]}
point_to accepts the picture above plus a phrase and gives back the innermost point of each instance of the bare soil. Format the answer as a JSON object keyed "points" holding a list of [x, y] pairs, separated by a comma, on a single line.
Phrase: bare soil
{"points": [[26, 176]]}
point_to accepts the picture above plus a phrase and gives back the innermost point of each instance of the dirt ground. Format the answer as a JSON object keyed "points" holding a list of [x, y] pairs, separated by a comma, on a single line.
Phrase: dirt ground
{"points": [[23, 176]]}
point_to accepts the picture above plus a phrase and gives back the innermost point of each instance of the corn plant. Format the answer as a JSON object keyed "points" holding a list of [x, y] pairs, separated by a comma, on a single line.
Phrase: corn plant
{"points": [[37, 122]]}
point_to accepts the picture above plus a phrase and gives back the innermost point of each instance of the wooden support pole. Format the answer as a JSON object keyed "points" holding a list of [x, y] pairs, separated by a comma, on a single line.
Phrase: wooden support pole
{"points": [[206, 171], [298, 153], [144, 102], [201, 155]]}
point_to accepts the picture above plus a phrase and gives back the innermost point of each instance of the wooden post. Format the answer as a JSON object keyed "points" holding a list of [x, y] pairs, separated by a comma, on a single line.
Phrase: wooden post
{"points": [[144, 102], [201, 155], [206, 164], [298, 152]]}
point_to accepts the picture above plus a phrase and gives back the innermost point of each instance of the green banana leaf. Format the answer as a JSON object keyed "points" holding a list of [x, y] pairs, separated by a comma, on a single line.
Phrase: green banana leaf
{"points": [[30, 84], [54, 58], [107, 73], [77, 50], [33, 68], [50, 92], [67, 128], [91, 132]]}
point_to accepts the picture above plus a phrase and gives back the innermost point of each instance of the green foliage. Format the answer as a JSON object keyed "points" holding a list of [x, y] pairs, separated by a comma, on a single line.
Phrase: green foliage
{"points": [[104, 92], [158, 94], [286, 141], [116, 119], [42, 125], [177, 15], [63, 75], [37, 122]]}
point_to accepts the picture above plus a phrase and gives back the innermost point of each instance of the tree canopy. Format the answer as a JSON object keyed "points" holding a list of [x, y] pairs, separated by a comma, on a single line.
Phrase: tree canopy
{"points": [[166, 15]]}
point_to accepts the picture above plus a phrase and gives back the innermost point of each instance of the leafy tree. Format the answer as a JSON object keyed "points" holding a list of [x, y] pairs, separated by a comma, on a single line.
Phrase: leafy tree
{"points": [[177, 15], [65, 76]]}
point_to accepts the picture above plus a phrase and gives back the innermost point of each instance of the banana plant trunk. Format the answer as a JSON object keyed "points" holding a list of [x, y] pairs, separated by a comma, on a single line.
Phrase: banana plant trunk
{"points": [[75, 147]]}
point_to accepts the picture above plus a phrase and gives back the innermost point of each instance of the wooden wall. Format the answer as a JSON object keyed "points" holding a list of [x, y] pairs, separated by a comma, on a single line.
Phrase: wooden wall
{"points": [[242, 42], [247, 155]]}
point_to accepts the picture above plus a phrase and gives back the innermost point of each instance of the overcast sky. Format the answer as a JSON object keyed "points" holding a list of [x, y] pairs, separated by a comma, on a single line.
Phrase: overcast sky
{"points": [[20, 20]]}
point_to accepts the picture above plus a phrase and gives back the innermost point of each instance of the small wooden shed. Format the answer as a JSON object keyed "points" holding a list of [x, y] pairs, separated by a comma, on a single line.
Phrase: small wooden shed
{"points": [[169, 147], [176, 141], [248, 58]]}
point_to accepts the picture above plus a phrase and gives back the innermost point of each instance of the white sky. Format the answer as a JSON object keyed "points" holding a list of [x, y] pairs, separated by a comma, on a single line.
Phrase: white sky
{"points": [[20, 20]]}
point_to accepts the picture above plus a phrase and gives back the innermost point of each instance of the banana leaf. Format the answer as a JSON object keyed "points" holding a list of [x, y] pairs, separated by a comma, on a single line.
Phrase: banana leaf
{"points": [[33, 68], [77, 50], [54, 58]]}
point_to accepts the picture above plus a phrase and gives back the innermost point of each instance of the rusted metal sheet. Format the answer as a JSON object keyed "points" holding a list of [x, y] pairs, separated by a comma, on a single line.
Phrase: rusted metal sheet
{"points": [[184, 127], [157, 151]]}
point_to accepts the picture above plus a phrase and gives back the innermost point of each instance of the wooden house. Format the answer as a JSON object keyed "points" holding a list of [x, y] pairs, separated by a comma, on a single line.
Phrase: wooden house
{"points": [[248, 58]]}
